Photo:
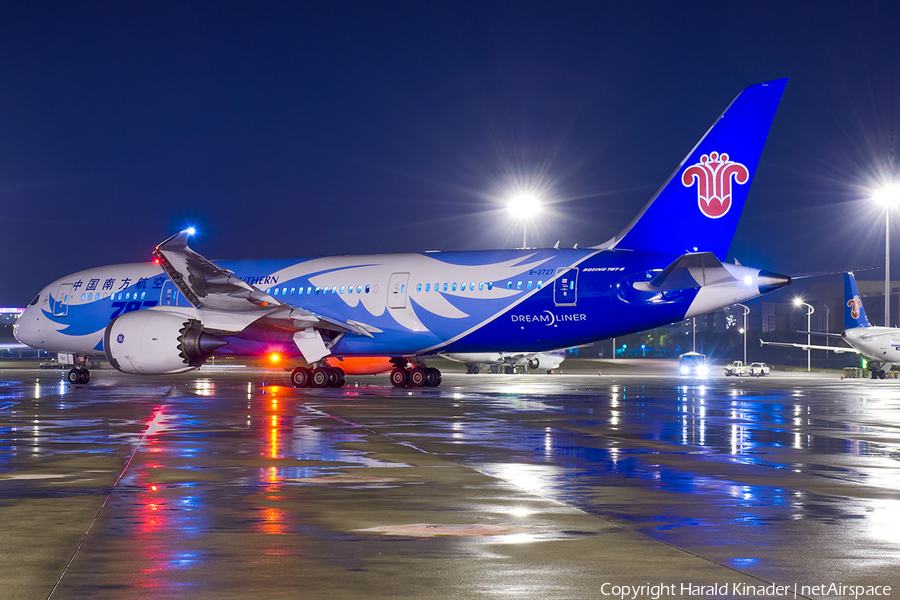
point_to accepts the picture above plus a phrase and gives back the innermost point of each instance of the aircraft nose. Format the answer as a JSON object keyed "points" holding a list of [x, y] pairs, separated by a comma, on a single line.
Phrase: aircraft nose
{"points": [[769, 282], [24, 329]]}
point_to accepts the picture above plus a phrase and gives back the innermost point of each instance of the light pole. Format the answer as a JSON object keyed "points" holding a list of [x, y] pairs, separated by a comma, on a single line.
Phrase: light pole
{"points": [[694, 336], [744, 330], [524, 207], [798, 302], [888, 196]]}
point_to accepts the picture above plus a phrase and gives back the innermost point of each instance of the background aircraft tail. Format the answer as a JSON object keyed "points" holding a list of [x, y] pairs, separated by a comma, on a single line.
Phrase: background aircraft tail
{"points": [[854, 313], [698, 208]]}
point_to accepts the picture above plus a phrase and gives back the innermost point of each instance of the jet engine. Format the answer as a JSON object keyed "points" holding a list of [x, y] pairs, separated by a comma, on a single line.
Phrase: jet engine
{"points": [[544, 362], [151, 342]]}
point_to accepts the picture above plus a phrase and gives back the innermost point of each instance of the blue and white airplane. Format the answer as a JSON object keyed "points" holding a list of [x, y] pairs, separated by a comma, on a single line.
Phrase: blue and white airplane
{"points": [[880, 345], [170, 315]]}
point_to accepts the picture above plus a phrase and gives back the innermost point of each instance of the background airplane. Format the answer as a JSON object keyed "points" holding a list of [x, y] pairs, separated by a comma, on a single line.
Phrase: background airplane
{"points": [[536, 361], [880, 345], [172, 314]]}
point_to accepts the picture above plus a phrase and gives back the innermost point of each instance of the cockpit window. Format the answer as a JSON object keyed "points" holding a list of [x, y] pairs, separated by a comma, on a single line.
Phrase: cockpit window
{"points": [[35, 301]]}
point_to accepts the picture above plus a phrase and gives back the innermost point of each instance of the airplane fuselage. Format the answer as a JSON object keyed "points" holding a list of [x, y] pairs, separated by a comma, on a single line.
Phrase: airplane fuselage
{"points": [[879, 344], [505, 300]]}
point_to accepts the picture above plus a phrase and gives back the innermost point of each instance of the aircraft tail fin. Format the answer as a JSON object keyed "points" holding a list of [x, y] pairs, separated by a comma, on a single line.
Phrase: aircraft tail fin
{"points": [[854, 313], [697, 209]]}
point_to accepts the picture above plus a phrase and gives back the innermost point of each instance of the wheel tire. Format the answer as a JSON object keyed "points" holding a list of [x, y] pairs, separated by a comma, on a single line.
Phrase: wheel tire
{"points": [[320, 377], [475, 370], [508, 370], [881, 374], [73, 376], [399, 377], [336, 377], [437, 377], [85, 377], [301, 377], [432, 377], [417, 377]]}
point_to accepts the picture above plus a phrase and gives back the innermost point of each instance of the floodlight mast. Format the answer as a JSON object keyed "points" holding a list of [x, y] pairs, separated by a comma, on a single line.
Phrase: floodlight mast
{"points": [[889, 197], [524, 207], [798, 302]]}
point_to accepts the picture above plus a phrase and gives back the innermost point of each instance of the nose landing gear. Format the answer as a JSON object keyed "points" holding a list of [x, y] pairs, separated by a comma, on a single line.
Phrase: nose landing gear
{"points": [[79, 373]]}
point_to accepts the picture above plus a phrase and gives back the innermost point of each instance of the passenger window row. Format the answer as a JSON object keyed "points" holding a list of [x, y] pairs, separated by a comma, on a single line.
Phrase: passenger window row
{"points": [[519, 284], [452, 287], [310, 291], [360, 289], [121, 296]]}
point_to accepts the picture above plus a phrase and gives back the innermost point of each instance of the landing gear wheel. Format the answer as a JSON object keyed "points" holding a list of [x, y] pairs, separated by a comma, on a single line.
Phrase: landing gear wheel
{"points": [[336, 377], [85, 376], [399, 377], [74, 376], [508, 370], [881, 374], [301, 377], [432, 377], [320, 377], [417, 377]]}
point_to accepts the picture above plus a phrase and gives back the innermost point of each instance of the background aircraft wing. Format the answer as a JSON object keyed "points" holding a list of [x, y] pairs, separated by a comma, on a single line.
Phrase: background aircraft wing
{"points": [[835, 349]]}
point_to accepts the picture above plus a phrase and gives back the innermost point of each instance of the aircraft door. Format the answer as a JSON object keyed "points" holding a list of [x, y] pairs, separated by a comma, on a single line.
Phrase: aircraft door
{"points": [[61, 306], [565, 287], [397, 290], [169, 294]]}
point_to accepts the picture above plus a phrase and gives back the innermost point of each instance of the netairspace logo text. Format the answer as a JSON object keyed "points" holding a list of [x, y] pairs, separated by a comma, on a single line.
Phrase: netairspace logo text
{"points": [[660, 591]]}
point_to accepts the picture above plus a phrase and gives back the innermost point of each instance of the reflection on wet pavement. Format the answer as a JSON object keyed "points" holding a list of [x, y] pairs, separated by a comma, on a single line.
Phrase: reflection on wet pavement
{"points": [[236, 484]]}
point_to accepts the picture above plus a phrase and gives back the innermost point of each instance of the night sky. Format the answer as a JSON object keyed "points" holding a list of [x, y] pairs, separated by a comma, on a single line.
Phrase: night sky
{"points": [[299, 129]]}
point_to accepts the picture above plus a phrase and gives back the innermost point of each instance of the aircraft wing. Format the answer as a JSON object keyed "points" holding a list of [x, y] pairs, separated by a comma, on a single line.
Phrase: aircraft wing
{"points": [[229, 304], [835, 349]]}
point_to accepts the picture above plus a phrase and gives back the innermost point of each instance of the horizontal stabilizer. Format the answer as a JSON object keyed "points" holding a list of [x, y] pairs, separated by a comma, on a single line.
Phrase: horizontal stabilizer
{"points": [[688, 272]]}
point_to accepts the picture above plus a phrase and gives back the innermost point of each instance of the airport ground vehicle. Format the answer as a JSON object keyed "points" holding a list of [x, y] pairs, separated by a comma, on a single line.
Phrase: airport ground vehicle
{"points": [[737, 369], [759, 369], [693, 363]]}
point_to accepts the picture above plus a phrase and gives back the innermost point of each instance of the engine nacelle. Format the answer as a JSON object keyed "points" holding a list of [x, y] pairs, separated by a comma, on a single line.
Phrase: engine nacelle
{"points": [[152, 342], [544, 362]]}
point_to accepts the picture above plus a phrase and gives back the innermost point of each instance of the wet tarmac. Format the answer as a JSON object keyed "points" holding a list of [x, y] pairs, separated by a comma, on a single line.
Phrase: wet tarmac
{"points": [[235, 485]]}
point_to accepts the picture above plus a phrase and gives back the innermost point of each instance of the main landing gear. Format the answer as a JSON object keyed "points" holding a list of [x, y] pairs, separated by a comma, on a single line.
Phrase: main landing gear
{"points": [[320, 376], [878, 371], [79, 373], [409, 372]]}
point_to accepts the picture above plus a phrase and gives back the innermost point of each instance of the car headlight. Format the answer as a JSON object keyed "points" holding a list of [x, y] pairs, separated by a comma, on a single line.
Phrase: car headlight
{"points": [[684, 370], [702, 370]]}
